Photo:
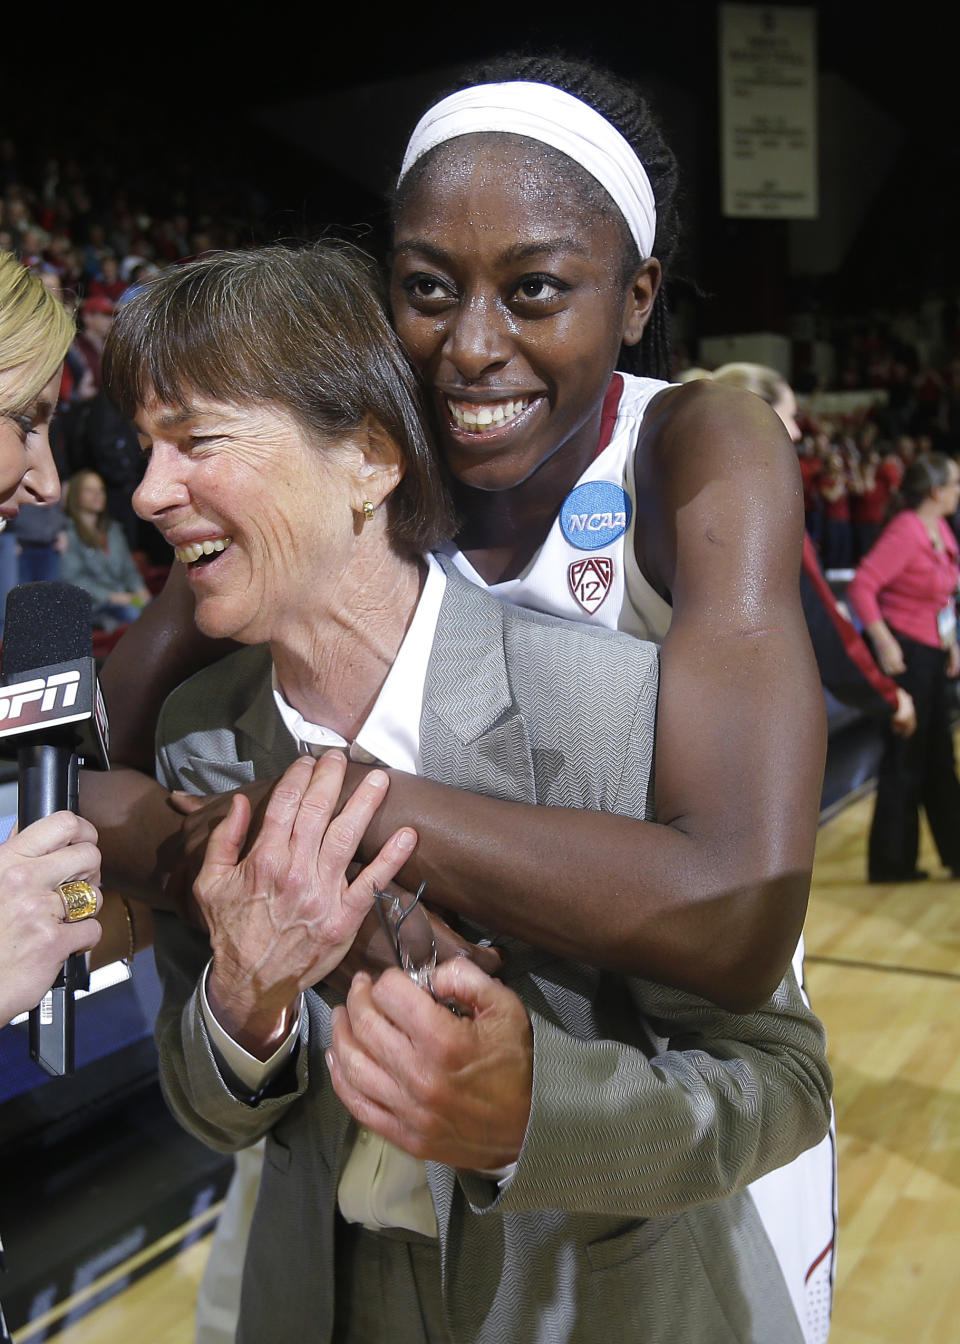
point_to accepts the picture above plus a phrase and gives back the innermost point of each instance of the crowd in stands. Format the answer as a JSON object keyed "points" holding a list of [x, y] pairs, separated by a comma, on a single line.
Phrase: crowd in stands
{"points": [[93, 237], [849, 481], [904, 368], [94, 241], [896, 398]]}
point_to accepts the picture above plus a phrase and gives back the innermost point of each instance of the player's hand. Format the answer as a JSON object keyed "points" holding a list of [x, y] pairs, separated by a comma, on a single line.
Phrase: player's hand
{"points": [[202, 813]]}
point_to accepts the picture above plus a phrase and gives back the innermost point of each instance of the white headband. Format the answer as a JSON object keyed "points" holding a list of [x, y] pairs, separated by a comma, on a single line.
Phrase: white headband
{"points": [[554, 117]]}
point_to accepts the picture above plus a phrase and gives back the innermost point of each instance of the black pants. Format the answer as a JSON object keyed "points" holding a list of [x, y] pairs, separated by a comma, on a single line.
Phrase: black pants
{"points": [[915, 772]]}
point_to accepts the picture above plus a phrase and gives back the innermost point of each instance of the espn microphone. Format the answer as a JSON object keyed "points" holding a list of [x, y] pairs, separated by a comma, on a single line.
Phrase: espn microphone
{"points": [[53, 720]]}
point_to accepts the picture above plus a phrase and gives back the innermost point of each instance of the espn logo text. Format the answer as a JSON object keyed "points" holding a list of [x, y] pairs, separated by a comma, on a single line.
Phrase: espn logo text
{"points": [[62, 686]]}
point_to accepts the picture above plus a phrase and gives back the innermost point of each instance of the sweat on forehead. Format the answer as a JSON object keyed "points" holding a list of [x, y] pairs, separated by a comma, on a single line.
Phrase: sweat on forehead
{"points": [[538, 170]]}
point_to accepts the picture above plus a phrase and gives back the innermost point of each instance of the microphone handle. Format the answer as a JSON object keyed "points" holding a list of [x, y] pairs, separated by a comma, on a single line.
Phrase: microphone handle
{"points": [[49, 781]]}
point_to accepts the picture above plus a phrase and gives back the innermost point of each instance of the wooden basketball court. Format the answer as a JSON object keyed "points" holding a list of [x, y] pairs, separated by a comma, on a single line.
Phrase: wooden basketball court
{"points": [[883, 971]]}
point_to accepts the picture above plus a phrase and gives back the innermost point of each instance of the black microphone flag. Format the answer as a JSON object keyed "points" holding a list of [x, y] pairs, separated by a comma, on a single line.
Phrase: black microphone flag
{"points": [[53, 719]]}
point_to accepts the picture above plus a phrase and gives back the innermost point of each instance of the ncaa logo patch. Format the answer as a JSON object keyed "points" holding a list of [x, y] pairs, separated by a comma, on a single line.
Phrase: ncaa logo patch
{"points": [[594, 514], [590, 581]]}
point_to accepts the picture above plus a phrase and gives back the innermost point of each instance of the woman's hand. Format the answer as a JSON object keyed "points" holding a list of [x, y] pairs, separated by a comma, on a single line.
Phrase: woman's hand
{"points": [[904, 721], [953, 660], [283, 917], [370, 951], [201, 816], [444, 1087], [35, 939]]}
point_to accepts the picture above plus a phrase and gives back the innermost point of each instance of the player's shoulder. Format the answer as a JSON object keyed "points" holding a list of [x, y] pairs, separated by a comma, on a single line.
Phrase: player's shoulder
{"points": [[701, 425]]}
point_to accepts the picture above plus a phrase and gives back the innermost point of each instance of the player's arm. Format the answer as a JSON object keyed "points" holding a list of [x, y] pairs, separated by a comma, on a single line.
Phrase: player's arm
{"points": [[741, 731], [140, 832], [157, 652], [712, 896]]}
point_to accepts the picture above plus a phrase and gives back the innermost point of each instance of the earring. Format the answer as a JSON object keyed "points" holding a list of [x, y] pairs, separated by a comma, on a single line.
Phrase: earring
{"points": [[368, 511]]}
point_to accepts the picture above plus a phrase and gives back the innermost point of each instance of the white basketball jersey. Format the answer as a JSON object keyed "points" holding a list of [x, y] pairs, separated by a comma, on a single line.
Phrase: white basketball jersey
{"points": [[586, 571]]}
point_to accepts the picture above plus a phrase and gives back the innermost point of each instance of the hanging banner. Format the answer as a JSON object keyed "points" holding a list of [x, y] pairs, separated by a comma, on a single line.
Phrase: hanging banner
{"points": [[768, 111]]}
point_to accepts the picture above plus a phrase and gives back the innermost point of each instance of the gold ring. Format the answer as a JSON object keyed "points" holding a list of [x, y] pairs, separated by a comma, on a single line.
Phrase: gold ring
{"points": [[79, 901]]}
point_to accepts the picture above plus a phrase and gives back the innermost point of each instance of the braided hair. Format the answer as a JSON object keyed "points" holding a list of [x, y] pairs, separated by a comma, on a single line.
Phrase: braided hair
{"points": [[620, 103]]}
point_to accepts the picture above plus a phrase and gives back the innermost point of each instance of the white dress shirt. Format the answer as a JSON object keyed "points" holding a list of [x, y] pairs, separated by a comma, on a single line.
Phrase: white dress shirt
{"points": [[380, 1186]]}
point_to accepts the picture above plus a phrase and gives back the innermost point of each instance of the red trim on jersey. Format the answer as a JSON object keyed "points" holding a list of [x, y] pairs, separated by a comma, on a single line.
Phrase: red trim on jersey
{"points": [[608, 416], [825, 1252]]}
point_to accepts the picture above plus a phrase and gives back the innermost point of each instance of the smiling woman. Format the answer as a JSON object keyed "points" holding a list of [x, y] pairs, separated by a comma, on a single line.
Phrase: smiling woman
{"points": [[252, 387], [35, 332], [245, 349], [516, 343], [257, 560]]}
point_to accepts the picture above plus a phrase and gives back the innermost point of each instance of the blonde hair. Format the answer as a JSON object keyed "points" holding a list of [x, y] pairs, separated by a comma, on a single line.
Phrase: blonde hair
{"points": [[35, 334], [759, 379]]}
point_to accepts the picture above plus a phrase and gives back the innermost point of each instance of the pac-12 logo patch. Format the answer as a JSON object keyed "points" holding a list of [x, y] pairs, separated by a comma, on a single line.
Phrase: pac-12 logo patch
{"points": [[590, 581], [595, 514]]}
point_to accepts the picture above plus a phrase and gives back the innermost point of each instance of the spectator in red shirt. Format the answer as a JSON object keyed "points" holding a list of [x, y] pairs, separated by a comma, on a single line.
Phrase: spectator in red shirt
{"points": [[890, 471], [108, 285], [96, 319], [868, 503], [837, 534], [904, 593]]}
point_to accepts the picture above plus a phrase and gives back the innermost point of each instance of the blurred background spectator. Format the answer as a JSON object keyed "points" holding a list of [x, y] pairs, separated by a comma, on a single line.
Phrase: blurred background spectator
{"points": [[904, 593], [97, 557], [41, 539]]}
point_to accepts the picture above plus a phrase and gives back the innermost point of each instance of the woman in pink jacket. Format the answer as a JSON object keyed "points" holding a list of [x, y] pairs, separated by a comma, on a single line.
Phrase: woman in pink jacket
{"points": [[904, 593]]}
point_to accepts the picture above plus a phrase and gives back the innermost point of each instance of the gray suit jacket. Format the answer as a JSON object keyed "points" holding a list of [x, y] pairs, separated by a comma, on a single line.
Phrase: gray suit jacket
{"points": [[652, 1110]]}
